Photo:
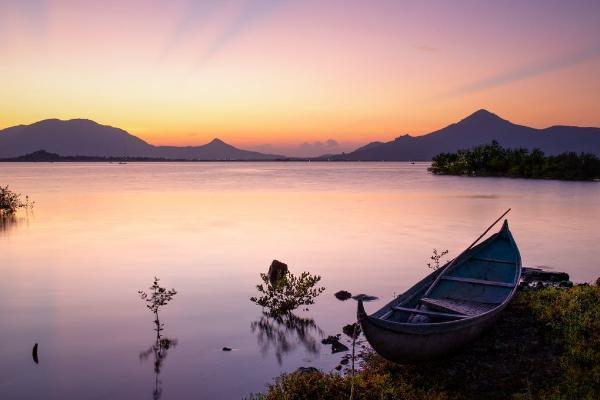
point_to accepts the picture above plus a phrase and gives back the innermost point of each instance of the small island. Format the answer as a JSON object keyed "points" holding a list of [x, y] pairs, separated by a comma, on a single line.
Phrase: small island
{"points": [[495, 160]]}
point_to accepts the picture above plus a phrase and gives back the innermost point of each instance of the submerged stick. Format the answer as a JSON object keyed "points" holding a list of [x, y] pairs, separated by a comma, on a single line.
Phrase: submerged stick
{"points": [[34, 353], [353, 347]]}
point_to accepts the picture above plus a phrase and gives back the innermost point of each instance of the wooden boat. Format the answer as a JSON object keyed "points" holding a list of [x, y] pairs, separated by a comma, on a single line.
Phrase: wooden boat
{"points": [[449, 307]]}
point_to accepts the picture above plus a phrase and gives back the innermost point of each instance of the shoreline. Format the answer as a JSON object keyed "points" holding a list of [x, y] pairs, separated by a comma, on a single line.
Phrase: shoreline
{"points": [[545, 345]]}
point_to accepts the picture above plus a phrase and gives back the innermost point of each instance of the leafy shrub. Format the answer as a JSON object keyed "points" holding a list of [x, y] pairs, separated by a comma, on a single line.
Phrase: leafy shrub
{"points": [[436, 258], [287, 293], [156, 299], [10, 201]]}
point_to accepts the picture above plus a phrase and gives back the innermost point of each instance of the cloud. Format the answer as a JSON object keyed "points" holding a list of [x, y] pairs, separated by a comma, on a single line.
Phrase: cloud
{"points": [[528, 71], [428, 49], [251, 13], [195, 15], [316, 145]]}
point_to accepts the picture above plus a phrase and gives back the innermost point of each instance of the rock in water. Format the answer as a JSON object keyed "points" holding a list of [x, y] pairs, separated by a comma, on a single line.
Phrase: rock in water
{"points": [[277, 271], [343, 295], [336, 345]]}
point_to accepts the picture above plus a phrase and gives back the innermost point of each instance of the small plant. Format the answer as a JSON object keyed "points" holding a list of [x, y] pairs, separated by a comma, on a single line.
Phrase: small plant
{"points": [[288, 292], [10, 201], [435, 259], [157, 298]]}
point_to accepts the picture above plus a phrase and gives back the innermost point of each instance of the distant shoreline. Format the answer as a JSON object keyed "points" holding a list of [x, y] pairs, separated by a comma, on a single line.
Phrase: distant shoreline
{"points": [[46, 157]]}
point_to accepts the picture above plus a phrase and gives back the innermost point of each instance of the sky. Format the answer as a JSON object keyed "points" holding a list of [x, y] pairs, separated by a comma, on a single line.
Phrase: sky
{"points": [[298, 77]]}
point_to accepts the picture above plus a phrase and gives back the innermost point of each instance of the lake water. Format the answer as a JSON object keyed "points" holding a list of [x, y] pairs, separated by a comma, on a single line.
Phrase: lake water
{"points": [[71, 268]]}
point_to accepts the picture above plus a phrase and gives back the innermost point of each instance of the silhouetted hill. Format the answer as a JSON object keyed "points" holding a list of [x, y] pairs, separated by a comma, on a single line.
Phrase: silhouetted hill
{"points": [[481, 127], [82, 137]]}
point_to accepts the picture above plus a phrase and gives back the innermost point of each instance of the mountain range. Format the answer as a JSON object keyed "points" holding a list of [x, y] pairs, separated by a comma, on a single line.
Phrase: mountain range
{"points": [[481, 127], [82, 137]]}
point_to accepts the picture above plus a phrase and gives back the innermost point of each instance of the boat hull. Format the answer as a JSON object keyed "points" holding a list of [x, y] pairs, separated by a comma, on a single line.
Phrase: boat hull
{"points": [[417, 345], [484, 278]]}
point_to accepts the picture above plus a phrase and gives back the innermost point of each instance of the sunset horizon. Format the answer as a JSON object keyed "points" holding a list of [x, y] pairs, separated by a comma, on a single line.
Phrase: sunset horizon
{"points": [[278, 74], [299, 199]]}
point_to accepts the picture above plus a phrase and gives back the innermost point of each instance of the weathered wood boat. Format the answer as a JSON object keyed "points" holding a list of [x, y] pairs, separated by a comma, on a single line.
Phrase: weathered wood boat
{"points": [[449, 307]]}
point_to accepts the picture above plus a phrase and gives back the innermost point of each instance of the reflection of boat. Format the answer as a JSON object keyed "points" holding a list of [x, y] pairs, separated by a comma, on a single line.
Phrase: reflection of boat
{"points": [[285, 332], [449, 307]]}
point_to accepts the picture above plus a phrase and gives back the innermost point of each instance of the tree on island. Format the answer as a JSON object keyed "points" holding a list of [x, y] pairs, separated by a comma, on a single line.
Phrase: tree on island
{"points": [[495, 160]]}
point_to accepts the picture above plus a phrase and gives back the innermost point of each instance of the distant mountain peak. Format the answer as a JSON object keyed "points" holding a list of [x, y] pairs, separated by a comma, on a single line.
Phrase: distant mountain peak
{"points": [[217, 141], [482, 116]]}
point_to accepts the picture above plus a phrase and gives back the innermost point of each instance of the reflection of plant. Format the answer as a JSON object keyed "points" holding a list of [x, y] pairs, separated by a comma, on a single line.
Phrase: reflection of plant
{"points": [[435, 259], [288, 292], [285, 332], [10, 201], [158, 297], [159, 351]]}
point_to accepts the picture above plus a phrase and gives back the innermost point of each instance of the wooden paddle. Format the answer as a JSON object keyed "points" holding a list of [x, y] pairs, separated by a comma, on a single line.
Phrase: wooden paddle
{"points": [[451, 263]]}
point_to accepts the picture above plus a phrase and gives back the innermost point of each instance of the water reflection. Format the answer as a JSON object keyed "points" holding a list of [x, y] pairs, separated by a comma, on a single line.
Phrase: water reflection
{"points": [[158, 350], [8, 221], [284, 333]]}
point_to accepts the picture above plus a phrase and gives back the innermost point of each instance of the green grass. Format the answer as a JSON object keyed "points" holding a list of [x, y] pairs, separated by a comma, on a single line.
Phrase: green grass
{"points": [[546, 345]]}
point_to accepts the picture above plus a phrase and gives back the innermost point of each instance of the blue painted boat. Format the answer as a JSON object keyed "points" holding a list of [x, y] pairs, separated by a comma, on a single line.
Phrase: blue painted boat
{"points": [[449, 307]]}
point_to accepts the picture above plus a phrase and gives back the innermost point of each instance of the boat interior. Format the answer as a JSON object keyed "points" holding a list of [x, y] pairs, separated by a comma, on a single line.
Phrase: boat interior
{"points": [[478, 282]]}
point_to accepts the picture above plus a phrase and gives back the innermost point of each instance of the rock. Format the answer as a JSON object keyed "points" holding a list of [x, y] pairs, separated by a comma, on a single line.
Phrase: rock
{"points": [[365, 297], [227, 349], [343, 295], [338, 367], [336, 345], [537, 274], [345, 361], [349, 329], [277, 271], [538, 278], [307, 370]]}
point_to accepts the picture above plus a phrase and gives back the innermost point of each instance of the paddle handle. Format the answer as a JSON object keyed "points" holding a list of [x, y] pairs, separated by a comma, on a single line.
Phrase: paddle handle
{"points": [[486, 231]]}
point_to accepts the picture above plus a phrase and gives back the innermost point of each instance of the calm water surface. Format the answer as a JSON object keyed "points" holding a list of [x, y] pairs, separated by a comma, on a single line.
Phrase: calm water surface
{"points": [[71, 269]]}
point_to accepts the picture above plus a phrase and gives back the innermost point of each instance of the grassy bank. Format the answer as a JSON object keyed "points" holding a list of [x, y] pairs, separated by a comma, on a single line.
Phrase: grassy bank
{"points": [[545, 345], [494, 160]]}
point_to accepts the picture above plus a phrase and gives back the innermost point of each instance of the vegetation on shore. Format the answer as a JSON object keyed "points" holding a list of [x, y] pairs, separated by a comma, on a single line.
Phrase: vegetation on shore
{"points": [[545, 345], [494, 160], [11, 202]]}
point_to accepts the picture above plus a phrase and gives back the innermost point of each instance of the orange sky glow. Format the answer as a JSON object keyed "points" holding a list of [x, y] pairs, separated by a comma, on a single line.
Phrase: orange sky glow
{"points": [[289, 76]]}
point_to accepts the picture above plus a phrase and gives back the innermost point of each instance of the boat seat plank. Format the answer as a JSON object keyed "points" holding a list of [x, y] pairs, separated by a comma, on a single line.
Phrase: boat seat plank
{"points": [[468, 308], [493, 260], [477, 281], [427, 312]]}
